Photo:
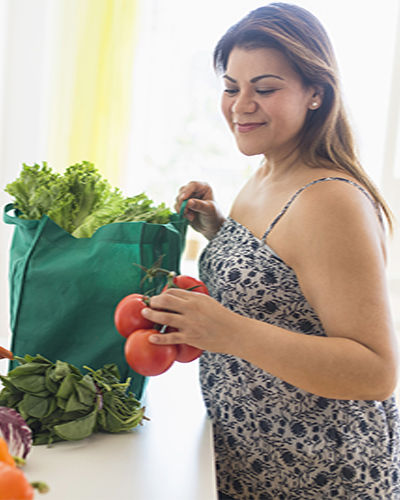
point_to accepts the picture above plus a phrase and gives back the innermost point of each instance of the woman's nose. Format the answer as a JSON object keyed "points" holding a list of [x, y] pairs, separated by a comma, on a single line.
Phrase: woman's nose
{"points": [[244, 103]]}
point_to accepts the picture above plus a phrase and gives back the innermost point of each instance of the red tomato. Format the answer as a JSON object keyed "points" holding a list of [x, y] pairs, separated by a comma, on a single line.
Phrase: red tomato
{"points": [[146, 358], [131, 296], [128, 317], [187, 353], [187, 282]]}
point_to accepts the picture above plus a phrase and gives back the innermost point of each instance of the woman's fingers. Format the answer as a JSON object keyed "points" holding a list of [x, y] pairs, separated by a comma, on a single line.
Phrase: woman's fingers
{"points": [[166, 338], [201, 210], [160, 317], [166, 308], [194, 189], [200, 206], [172, 299], [176, 308]]}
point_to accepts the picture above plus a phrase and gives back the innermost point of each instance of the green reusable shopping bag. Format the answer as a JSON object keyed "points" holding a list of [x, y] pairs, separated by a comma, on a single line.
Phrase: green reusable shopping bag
{"points": [[64, 290]]}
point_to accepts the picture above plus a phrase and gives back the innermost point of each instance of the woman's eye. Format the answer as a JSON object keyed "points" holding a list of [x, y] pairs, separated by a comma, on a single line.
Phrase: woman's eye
{"points": [[230, 91], [266, 91]]}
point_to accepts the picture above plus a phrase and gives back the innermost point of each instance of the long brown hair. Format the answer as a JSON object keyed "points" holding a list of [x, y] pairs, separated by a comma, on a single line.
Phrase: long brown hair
{"points": [[299, 35]]}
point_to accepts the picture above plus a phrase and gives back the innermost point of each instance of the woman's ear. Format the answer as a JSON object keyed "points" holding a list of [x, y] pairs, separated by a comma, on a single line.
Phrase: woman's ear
{"points": [[317, 97]]}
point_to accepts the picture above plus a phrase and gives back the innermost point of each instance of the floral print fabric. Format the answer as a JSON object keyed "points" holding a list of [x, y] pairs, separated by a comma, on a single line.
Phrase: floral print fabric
{"points": [[273, 440]]}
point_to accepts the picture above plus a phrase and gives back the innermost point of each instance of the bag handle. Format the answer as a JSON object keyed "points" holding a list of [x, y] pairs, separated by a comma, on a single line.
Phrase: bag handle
{"points": [[16, 220], [7, 218], [183, 206]]}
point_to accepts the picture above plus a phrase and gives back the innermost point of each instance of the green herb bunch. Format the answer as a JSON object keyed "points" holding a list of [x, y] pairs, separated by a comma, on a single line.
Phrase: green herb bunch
{"points": [[59, 403], [79, 200]]}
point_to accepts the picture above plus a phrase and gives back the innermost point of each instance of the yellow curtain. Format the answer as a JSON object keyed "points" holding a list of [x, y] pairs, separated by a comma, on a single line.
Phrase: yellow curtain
{"points": [[92, 84]]}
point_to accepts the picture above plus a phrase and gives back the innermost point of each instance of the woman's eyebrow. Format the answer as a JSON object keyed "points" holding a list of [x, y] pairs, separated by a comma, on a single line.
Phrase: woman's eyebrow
{"points": [[255, 79]]}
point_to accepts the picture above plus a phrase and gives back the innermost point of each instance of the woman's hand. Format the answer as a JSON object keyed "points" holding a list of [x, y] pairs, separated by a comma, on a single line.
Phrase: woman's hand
{"points": [[201, 209], [199, 319]]}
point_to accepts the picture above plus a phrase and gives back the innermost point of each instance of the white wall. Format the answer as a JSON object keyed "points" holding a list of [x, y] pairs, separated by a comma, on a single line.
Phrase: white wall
{"points": [[391, 176], [25, 27]]}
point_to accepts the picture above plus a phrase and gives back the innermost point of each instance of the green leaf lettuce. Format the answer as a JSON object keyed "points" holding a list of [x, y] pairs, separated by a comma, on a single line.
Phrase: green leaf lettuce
{"points": [[80, 200]]}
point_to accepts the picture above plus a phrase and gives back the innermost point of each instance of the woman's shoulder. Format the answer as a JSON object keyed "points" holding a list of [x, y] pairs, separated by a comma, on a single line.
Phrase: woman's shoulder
{"points": [[334, 195], [338, 210], [324, 195], [329, 208]]}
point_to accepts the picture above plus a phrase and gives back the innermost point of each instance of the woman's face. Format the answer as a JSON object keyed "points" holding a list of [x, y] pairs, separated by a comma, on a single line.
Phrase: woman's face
{"points": [[265, 102]]}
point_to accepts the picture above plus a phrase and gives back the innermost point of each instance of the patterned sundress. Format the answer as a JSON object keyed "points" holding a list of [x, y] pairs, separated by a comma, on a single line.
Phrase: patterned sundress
{"points": [[273, 440]]}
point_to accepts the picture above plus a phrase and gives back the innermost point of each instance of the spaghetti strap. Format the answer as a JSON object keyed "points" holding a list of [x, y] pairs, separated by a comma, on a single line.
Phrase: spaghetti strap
{"points": [[323, 179]]}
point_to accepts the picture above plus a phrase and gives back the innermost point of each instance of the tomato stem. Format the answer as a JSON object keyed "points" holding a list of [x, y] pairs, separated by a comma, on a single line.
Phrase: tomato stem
{"points": [[19, 461], [155, 270], [161, 328], [40, 486]]}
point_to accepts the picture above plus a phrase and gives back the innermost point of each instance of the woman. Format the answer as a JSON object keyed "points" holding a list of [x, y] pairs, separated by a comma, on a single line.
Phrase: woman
{"points": [[300, 358]]}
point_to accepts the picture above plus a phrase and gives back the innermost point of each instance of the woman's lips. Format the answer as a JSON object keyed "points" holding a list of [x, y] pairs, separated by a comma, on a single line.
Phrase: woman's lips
{"points": [[248, 127]]}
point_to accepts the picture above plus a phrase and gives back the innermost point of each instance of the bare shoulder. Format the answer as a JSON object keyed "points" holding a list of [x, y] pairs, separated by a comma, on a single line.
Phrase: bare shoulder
{"points": [[333, 216], [337, 200]]}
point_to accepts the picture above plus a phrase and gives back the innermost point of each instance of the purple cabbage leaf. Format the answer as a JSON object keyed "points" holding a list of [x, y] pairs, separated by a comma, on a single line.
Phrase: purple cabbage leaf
{"points": [[15, 431]]}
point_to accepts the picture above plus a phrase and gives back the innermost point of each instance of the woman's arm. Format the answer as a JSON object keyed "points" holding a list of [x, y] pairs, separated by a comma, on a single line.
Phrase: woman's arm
{"points": [[336, 252]]}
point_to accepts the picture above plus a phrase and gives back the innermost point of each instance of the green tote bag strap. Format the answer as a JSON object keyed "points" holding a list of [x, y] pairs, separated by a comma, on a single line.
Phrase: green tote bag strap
{"points": [[182, 209], [14, 219], [8, 219]]}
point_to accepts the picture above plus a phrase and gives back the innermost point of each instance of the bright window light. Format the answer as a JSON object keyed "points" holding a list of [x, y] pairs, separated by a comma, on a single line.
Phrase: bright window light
{"points": [[178, 133]]}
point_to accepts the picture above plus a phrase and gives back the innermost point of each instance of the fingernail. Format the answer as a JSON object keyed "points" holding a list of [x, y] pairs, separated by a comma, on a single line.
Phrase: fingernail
{"points": [[145, 311], [154, 339]]}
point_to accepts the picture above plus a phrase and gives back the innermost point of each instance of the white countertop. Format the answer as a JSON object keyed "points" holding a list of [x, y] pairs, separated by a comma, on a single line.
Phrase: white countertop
{"points": [[169, 457]]}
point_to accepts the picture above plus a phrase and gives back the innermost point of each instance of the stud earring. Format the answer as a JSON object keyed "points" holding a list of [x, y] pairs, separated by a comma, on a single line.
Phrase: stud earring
{"points": [[314, 104]]}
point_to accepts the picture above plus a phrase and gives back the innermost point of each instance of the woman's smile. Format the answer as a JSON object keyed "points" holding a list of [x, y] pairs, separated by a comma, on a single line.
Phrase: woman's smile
{"points": [[244, 128]]}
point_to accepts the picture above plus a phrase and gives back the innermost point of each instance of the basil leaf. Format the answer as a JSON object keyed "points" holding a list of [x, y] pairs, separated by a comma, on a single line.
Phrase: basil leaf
{"points": [[60, 370], [51, 386], [34, 406], [67, 386], [73, 404], [28, 369], [86, 390], [77, 429], [30, 383]]}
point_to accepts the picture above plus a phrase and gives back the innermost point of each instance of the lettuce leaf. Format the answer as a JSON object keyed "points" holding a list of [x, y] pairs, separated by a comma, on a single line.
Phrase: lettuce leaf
{"points": [[80, 200]]}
